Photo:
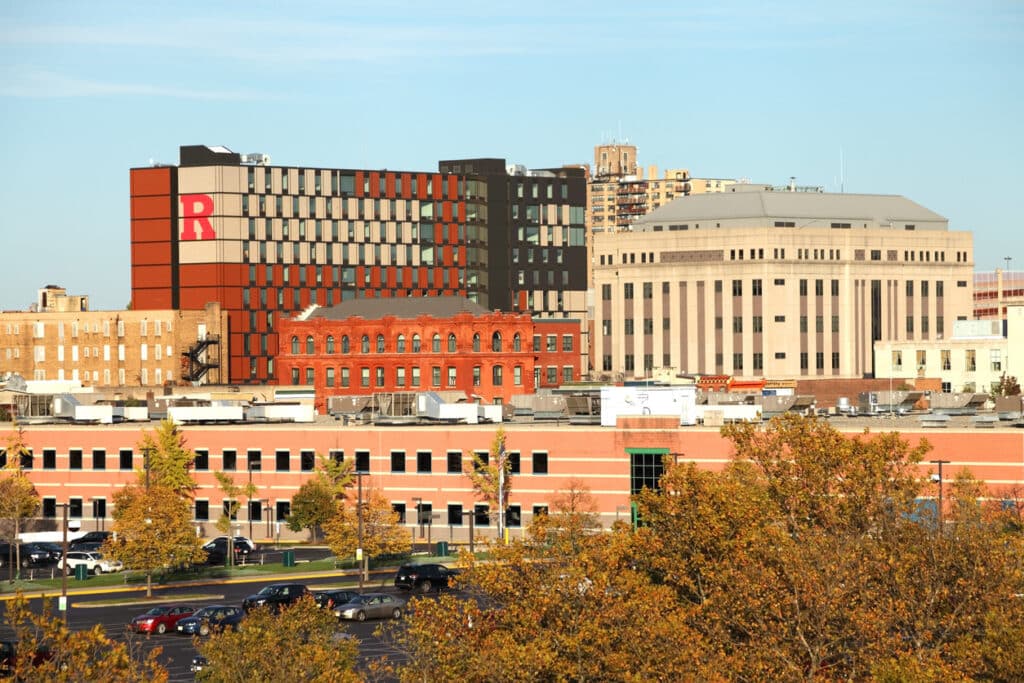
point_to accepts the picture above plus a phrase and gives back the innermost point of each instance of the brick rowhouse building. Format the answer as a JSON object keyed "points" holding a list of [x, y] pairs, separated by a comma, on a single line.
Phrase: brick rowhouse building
{"points": [[444, 343]]}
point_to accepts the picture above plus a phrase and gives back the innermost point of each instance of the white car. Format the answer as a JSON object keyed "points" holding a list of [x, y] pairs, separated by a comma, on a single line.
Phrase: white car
{"points": [[95, 563]]}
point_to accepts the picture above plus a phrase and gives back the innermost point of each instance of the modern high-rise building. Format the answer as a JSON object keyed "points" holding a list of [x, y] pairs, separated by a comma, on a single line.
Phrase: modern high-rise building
{"points": [[757, 282], [267, 241]]}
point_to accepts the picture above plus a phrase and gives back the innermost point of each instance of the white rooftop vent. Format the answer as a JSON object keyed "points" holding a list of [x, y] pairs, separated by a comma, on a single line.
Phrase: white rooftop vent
{"points": [[256, 159]]}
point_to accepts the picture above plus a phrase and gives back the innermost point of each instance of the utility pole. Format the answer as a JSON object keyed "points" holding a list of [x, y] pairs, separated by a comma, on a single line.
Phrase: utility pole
{"points": [[472, 519]]}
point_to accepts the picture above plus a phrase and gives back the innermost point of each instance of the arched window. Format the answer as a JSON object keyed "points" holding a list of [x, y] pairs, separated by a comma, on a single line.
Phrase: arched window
{"points": [[517, 342], [496, 341], [309, 345], [344, 344], [476, 342], [330, 343], [380, 343], [400, 344], [415, 343], [366, 344], [435, 343], [295, 346], [451, 343]]}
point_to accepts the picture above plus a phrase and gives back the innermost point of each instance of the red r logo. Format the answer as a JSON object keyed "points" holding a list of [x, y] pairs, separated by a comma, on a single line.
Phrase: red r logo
{"points": [[197, 208]]}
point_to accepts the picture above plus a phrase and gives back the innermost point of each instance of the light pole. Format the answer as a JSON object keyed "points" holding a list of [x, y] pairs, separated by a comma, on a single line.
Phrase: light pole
{"points": [[63, 605], [940, 463], [360, 556], [419, 521], [472, 519], [501, 492], [249, 491], [268, 509]]}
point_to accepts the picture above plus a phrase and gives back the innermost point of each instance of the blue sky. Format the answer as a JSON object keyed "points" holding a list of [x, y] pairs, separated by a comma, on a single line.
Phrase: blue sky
{"points": [[922, 99]]}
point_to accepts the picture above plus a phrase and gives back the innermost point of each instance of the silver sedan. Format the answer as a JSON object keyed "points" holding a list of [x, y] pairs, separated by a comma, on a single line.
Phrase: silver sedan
{"points": [[371, 606]]}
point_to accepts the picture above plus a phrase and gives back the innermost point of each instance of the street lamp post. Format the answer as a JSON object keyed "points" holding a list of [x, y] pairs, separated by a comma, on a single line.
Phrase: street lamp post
{"points": [[419, 521], [268, 509], [940, 463], [360, 556], [64, 562], [251, 466], [472, 519]]}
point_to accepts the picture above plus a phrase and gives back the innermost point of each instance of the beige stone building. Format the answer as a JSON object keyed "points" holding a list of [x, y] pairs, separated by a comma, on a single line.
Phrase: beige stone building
{"points": [[112, 348], [971, 360], [756, 282]]}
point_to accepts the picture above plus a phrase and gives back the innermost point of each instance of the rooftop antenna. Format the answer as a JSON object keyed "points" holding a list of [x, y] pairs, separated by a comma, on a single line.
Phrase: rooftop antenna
{"points": [[842, 171]]}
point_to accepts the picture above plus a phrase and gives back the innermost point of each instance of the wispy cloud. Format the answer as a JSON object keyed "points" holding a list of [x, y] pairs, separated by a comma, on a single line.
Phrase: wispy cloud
{"points": [[38, 83]]}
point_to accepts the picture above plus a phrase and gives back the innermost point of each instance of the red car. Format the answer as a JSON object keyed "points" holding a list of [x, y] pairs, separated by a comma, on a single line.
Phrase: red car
{"points": [[161, 619]]}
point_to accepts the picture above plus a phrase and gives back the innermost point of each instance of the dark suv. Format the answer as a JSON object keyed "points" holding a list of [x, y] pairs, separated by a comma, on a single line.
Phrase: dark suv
{"points": [[424, 577], [217, 551], [275, 596]]}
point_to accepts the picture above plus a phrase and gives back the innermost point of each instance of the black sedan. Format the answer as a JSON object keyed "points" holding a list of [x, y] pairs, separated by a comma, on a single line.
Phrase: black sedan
{"points": [[209, 619], [328, 599]]}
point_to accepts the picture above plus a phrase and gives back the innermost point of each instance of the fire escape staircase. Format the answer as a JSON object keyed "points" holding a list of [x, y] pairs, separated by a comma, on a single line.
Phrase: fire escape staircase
{"points": [[194, 364]]}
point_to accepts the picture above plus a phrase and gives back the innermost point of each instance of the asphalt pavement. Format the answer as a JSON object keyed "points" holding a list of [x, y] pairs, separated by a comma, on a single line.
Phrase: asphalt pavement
{"points": [[91, 606]]}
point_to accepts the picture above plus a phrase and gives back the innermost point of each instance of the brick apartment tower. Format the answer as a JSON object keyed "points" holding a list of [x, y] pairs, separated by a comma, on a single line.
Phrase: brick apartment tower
{"points": [[268, 241]]}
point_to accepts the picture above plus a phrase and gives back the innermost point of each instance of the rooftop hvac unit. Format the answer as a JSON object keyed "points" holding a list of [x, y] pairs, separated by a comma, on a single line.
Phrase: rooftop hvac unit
{"points": [[256, 159]]}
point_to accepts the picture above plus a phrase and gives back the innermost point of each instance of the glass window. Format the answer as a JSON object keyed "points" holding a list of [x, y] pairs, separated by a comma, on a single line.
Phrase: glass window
{"points": [[540, 462], [451, 343], [476, 342], [454, 459], [330, 344], [435, 343]]}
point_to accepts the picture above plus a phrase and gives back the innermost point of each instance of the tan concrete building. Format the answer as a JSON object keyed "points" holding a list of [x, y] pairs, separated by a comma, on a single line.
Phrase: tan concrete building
{"points": [[114, 348], [616, 202], [756, 282], [971, 360]]}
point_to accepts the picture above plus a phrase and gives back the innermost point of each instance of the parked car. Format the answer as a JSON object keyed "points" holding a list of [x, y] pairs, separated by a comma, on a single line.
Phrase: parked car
{"points": [[91, 537], [86, 546], [243, 541], [39, 553], [209, 619], [8, 555], [94, 562], [371, 606], [275, 596], [217, 551], [424, 577], [161, 619], [331, 598], [199, 663], [9, 655]]}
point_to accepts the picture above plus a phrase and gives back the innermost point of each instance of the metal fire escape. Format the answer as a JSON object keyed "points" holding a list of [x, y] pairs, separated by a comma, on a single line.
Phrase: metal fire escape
{"points": [[202, 357]]}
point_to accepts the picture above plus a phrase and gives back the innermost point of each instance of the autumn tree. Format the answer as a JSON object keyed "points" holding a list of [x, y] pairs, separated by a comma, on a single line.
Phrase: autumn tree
{"points": [[314, 503], [302, 643], [382, 532], [167, 460], [73, 656], [543, 614], [153, 531], [19, 499], [491, 478], [1006, 385], [809, 558], [153, 518]]}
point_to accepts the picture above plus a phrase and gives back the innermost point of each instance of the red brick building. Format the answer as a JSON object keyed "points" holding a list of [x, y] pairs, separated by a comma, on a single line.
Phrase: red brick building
{"points": [[368, 346]]}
